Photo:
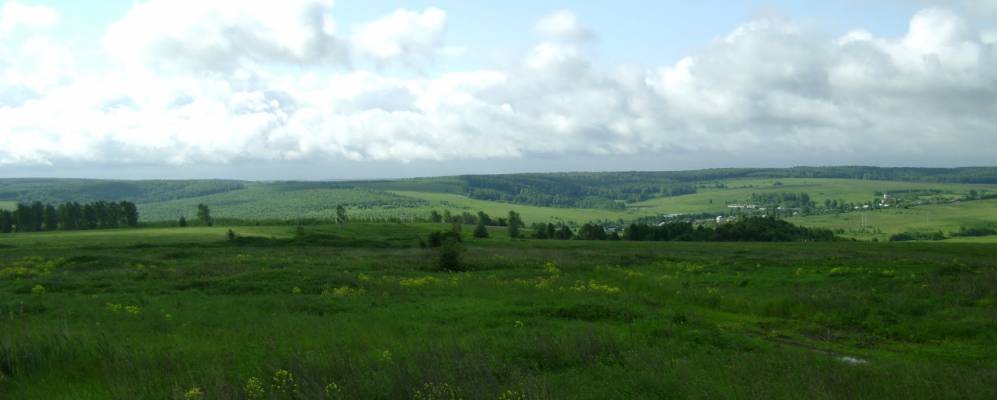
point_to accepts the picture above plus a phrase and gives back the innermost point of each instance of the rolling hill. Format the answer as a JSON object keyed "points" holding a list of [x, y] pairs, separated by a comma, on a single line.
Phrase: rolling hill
{"points": [[558, 197]]}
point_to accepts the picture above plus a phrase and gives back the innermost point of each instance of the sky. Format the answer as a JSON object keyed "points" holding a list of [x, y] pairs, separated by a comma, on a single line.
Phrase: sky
{"points": [[324, 90]]}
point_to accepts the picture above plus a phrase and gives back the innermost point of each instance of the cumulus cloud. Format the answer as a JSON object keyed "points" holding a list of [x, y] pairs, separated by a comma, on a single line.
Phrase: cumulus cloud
{"points": [[768, 87], [406, 36], [15, 15], [224, 35]]}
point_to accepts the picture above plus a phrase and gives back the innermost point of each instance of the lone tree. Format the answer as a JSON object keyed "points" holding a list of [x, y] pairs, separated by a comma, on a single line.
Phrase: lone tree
{"points": [[515, 222], [449, 255], [435, 217], [341, 217], [183, 222], [204, 215], [480, 231]]}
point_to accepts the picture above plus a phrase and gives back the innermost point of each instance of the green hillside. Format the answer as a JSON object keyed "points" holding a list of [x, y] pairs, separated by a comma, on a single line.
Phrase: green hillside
{"points": [[90, 190], [555, 197], [286, 201], [713, 199], [881, 224]]}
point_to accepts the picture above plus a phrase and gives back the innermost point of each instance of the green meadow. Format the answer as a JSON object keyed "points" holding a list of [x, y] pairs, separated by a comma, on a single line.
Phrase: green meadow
{"points": [[880, 224], [360, 311], [740, 190]]}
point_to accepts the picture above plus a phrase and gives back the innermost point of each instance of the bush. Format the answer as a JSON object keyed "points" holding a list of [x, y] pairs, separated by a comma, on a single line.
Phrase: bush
{"points": [[449, 255], [436, 239], [910, 236], [975, 232], [481, 232]]}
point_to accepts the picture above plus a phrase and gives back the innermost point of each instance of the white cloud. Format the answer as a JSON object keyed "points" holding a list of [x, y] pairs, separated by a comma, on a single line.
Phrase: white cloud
{"points": [[224, 35], [14, 15], [770, 88], [405, 35], [563, 25]]}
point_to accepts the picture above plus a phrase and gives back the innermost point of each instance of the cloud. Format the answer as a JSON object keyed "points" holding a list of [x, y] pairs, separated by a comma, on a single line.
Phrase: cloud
{"points": [[406, 36], [224, 35], [15, 15], [563, 25], [769, 89]]}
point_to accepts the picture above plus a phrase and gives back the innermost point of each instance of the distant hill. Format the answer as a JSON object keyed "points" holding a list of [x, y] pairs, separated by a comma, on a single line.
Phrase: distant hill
{"points": [[90, 190], [576, 196]]}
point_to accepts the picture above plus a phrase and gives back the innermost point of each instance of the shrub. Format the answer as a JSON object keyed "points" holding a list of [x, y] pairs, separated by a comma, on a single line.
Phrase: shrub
{"points": [[436, 239], [449, 255], [910, 236], [481, 232]]}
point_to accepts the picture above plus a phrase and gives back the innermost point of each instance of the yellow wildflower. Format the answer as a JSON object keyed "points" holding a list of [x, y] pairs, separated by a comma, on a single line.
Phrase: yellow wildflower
{"points": [[194, 394], [283, 382], [254, 389]]}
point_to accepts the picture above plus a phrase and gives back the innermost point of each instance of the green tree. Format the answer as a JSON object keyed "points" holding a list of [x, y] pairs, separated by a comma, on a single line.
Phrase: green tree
{"points": [[341, 217], [204, 215], [435, 217], [484, 218], [131, 213], [540, 231], [449, 255], [22, 218], [515, 222], [480, 231], [37, 216], [89, 217], [51, 218], [183, 222], [6, 221]]}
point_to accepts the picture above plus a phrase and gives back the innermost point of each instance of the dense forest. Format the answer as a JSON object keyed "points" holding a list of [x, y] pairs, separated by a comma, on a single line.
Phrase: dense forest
{"points": [[38, 217], [612, 190]]}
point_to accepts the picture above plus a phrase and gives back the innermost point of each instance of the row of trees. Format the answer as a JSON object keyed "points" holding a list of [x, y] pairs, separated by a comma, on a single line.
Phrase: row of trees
{"points": [[753, 229], [38, 217]]}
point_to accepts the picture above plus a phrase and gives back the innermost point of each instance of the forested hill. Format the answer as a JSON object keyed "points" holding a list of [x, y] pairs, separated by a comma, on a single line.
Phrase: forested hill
{"points": [[612, 190], [598, 190], [91, 190]]}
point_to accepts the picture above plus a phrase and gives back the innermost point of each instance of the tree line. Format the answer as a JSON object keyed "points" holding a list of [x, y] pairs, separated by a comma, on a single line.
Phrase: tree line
{"points": [[752, 229], [72, 216]]}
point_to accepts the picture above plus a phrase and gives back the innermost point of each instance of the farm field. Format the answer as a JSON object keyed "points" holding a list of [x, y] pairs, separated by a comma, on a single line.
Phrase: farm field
{"points": [[740, 190], [880, 224], [7, 205], [158, 313], [258, 201]]}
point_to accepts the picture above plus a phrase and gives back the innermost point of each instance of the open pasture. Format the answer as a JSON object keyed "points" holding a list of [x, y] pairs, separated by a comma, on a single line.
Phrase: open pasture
{"points": [[158, 313]]}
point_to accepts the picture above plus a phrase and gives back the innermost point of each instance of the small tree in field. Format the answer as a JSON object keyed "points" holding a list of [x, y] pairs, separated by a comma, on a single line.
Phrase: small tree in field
{"points": [[449, 255], [183, 222], [480, 231], [515, 222], [341, 217], [204, 215]]}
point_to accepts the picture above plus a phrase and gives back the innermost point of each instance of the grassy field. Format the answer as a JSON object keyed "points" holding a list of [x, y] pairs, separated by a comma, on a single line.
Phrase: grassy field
{"points": [[7, 205], [740, 190], [158, 313], [289, 201], [880, 224]]}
